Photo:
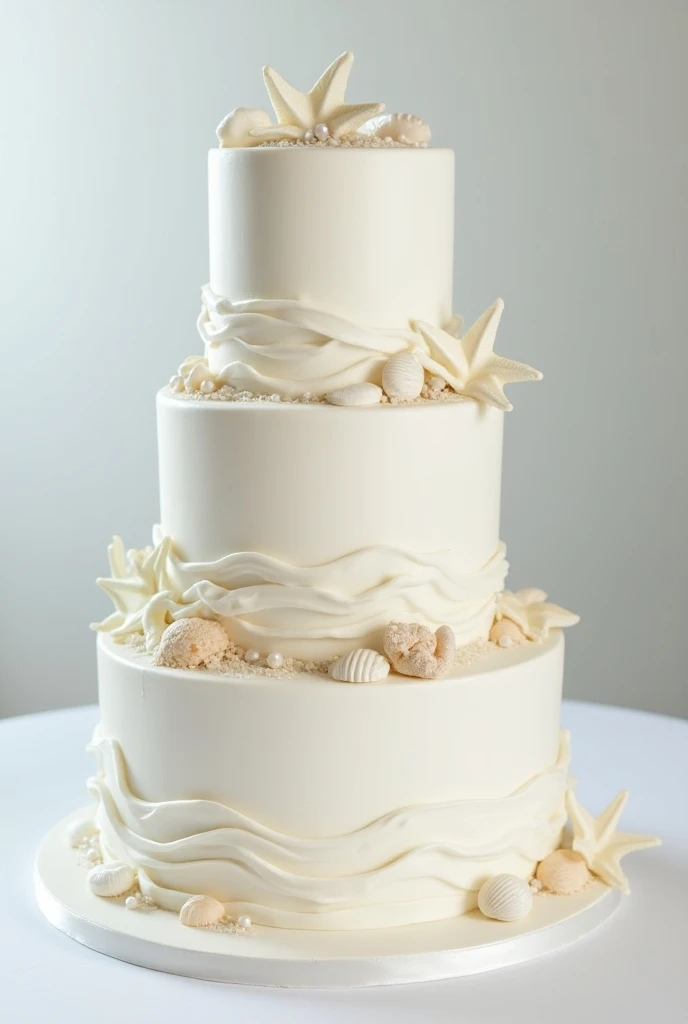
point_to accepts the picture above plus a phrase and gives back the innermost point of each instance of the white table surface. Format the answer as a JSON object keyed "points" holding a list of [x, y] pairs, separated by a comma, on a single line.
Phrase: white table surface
{"points": [[634, 969]]}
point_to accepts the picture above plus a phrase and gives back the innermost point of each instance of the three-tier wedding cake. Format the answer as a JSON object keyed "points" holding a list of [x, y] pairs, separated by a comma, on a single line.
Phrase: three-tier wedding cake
{"points": [[319, 707]]}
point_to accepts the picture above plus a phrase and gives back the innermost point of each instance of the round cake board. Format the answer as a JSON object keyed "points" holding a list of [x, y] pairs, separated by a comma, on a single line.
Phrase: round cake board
{"points": [[461, 946]]}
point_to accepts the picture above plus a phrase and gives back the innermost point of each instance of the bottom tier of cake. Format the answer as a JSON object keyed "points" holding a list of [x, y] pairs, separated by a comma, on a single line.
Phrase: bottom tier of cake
{"points": [[307, 803]]}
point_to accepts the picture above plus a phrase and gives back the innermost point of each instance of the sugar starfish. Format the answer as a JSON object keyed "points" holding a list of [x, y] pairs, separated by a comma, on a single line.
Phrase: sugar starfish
{"points": [[469, 364], [141, 590], [532, 613], [299, 112], [597, 840]]}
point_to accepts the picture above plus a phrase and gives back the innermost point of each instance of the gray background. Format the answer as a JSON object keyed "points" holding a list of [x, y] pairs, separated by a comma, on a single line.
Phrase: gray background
{"points": [[569, 123]]}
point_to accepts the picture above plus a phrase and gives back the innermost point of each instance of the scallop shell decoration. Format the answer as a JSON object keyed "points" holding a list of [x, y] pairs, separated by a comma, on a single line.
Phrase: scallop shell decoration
{"points": [[403, 377], [505, 898], [506, 633], [112, 879], [81, 830], [236, 128], [563, 872], [201, 912], [401, 127], [356, 394], [360, 666]]}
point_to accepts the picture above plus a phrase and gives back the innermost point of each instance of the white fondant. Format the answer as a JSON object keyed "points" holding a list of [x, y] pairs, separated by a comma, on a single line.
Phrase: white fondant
{"points": [[395, 266], [505, 898], [345, 959], [314, 834], [308, 484]]}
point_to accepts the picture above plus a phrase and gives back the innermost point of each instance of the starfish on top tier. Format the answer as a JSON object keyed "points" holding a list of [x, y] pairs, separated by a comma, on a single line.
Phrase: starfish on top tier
{"points": [[597, 840], [299, 113], [469, 364]]}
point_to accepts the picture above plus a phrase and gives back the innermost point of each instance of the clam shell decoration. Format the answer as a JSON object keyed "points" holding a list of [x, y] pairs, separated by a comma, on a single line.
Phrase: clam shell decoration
{"points": [[356, 394], [360, 666], [81, 830], [111, 879], [415, 650], [506, 633], [400, 127], [236, 128], [403, 377], [505, 898], [201, 911], [563, 872]]}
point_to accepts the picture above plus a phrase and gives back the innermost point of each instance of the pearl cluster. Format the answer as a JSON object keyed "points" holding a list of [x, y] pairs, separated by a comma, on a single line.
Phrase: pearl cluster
{"points": [[273, 660]]}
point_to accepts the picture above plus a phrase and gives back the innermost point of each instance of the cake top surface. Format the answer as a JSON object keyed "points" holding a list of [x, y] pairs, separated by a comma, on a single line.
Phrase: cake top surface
{"points": [[320, 118]]}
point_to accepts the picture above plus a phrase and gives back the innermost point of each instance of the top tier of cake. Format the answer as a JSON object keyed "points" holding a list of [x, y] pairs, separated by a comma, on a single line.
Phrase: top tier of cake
{"points": [[364, 234]]}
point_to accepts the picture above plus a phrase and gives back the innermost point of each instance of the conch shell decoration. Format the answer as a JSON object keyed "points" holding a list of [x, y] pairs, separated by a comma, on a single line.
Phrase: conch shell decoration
{"points": [[414, 650]]}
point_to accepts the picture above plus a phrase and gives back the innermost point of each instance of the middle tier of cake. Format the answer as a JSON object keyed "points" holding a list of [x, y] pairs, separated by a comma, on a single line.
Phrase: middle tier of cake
{"points": [[308, 528]]}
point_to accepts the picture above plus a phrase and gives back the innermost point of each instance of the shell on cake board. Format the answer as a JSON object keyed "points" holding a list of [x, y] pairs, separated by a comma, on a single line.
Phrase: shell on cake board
{"points": [[403, 376], [81, 830], [505, 898], [356, 394], [111, 879], [360, 666], [201, 911], [563, 872]]}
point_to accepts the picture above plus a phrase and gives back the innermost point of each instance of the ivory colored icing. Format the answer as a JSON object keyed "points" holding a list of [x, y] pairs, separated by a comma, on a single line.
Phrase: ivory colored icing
{"points": [[301, 838]]}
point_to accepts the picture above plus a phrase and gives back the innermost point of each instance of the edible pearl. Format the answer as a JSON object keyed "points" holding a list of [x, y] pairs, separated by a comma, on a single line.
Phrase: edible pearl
{"points": [[505, 641], [207, 387], [251, 656], [275, 660], [131, 903], [321, 131], [176, 382], [437, 383], [308, 137], [244, 921]]}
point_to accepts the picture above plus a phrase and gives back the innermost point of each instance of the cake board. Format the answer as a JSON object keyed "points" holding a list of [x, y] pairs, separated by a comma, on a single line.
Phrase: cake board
{"points": [[453, 948]]}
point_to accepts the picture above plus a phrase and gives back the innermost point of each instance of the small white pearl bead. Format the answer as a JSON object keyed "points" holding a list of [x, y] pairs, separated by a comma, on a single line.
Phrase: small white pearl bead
{"points": [[131, 903], [176, 382], [207, 387], [275, 660], [251, 656], [437, 383], [308, 137], [321, 131], [244, 921], [506, 641]]}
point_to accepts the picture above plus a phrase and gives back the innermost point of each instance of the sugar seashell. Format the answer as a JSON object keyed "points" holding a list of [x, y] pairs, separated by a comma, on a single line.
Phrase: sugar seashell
{"points": [[356, 394], [190, 643], [403, 376], [531, 595], [360, 666], [563, 872], [506, 633], [201, 911], [399, 127], [505, 898], [81, 830], [111, 879], [236, 128], [414, 650], [437, 383]]}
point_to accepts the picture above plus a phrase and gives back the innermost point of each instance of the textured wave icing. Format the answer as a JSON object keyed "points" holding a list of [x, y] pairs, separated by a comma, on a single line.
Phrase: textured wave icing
{"points": [[284, 346], [352, 598], [414, 864]]}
